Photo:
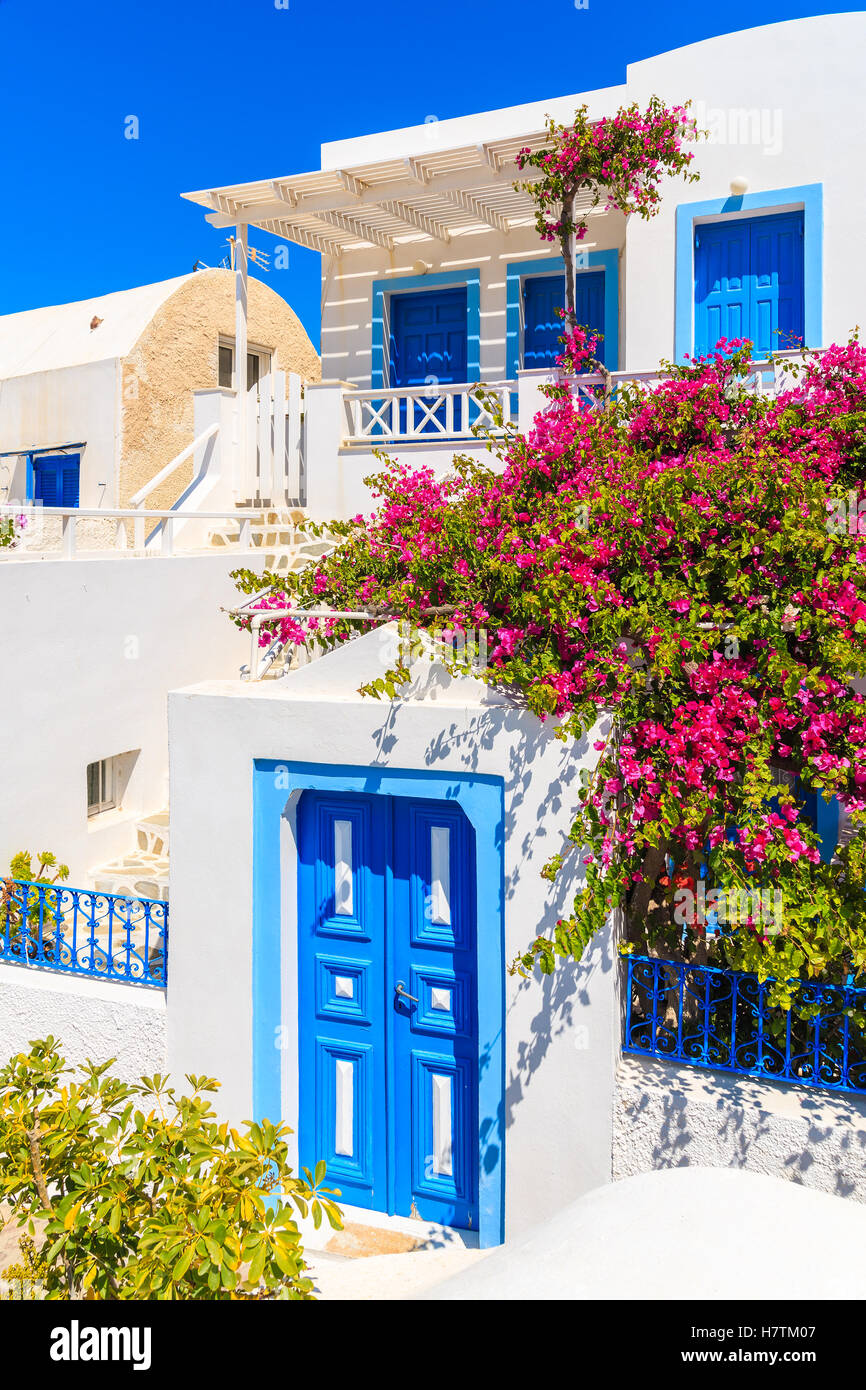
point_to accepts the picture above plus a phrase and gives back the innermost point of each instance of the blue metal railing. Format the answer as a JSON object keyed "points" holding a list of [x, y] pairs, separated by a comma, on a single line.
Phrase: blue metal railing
{"points": [[707, 1017], [82, 932]]}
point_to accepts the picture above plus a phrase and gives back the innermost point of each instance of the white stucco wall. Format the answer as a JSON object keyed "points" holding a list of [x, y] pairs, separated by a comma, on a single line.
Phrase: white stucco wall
{"points": [[71, 405], [91, 649], [668, 1116], [561, 1032], [91, 1019], [803, 81]]}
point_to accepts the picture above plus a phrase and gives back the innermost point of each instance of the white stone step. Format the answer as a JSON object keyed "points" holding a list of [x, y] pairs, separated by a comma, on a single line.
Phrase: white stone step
{"points": [[152, 833], [138, 875]]}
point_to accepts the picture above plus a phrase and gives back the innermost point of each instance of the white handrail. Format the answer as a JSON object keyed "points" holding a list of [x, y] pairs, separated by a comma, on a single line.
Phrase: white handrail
{"points": [[376, 393], [182, 457], [70, 516], [259, 616]]}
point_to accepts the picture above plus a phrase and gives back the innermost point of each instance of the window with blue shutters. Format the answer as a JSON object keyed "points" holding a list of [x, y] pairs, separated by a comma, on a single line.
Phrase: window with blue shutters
{"points": [[543, 297], [749, 282], [56, 479]]}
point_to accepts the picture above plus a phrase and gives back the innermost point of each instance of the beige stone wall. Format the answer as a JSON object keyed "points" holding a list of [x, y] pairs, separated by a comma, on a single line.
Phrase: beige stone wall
{"points": [[177, 354]]}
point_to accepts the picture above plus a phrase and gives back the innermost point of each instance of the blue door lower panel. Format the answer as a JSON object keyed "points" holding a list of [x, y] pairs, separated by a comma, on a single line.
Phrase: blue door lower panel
{"points": [[388, 1051]]}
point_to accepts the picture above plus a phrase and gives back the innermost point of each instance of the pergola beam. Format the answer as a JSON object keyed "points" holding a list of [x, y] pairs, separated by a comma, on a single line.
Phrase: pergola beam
{"points": [[481, 210], [419, 220], [416, 171], [359, 228], [312, 240]]}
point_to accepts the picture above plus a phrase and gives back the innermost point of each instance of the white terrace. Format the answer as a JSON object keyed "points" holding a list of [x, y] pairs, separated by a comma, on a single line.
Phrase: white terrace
{"points": [[434, 278]]}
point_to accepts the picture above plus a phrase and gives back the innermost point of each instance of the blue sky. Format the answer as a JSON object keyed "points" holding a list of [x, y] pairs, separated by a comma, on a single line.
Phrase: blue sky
{"points": [[233, 90]]}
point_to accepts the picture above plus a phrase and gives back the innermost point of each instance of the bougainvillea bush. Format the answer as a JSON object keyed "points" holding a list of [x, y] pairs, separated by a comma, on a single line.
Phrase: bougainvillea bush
{"points": [[679, 576]]}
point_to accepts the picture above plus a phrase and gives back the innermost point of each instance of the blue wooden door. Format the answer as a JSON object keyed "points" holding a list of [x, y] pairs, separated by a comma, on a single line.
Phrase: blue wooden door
{"points": [[388, 1053], [749, 282], [56, 479], [435, 1048], [543, 296], [429, 340]]}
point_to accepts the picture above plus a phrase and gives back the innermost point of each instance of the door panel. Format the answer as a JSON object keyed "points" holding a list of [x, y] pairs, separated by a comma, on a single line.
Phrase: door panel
{"points": [[435, 1055], [428, 347], [388, 1050], [341, 948], [777, 283], [721, 284], [428, 337]]}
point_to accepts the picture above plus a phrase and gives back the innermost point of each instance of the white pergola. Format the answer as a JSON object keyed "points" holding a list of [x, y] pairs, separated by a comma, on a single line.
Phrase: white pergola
{"points": [[430, 197]]}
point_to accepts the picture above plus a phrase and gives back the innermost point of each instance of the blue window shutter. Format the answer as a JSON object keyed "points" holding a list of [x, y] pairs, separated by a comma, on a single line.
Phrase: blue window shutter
{"points": [[543, 295], [721, 284], [749, 282], [46, 488], [776, 282], [70, 483], [56, 479]]}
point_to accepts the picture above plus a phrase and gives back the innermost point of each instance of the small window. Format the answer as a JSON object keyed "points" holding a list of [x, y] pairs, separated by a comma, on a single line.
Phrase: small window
{"points": [[258, 365], [101, 786], [110, 781], [56, 479]]}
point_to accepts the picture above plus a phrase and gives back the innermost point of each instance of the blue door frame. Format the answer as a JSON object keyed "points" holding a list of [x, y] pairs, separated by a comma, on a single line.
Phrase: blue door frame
{"points": [[481, 799]]}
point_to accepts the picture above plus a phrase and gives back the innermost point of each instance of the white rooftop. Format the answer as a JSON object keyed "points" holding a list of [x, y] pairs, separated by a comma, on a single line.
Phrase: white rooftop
{"points": [[42, 340]]}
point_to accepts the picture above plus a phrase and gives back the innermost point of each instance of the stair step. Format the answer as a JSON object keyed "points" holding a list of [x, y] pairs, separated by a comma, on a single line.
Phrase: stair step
{"points": [[152, 833], [143, 871]]}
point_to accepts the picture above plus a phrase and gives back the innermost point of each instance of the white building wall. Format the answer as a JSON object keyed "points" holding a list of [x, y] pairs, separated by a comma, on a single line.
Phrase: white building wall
{"points": [[801, 84], [91, 649], [72, 405], [90, 1019], [561, 1032], [667, 1116]]}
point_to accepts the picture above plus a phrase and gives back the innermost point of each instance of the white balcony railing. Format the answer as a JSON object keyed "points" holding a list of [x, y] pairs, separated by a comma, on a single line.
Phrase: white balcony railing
{"points": [[423, 414], [55, 532]]}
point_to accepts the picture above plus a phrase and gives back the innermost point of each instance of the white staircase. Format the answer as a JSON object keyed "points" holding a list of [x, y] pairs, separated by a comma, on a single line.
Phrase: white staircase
{"points": [[276, 534], [143, 872]]}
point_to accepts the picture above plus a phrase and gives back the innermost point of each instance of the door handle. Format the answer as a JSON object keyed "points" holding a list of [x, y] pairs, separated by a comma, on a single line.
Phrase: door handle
{"points": [[400, 991]]}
